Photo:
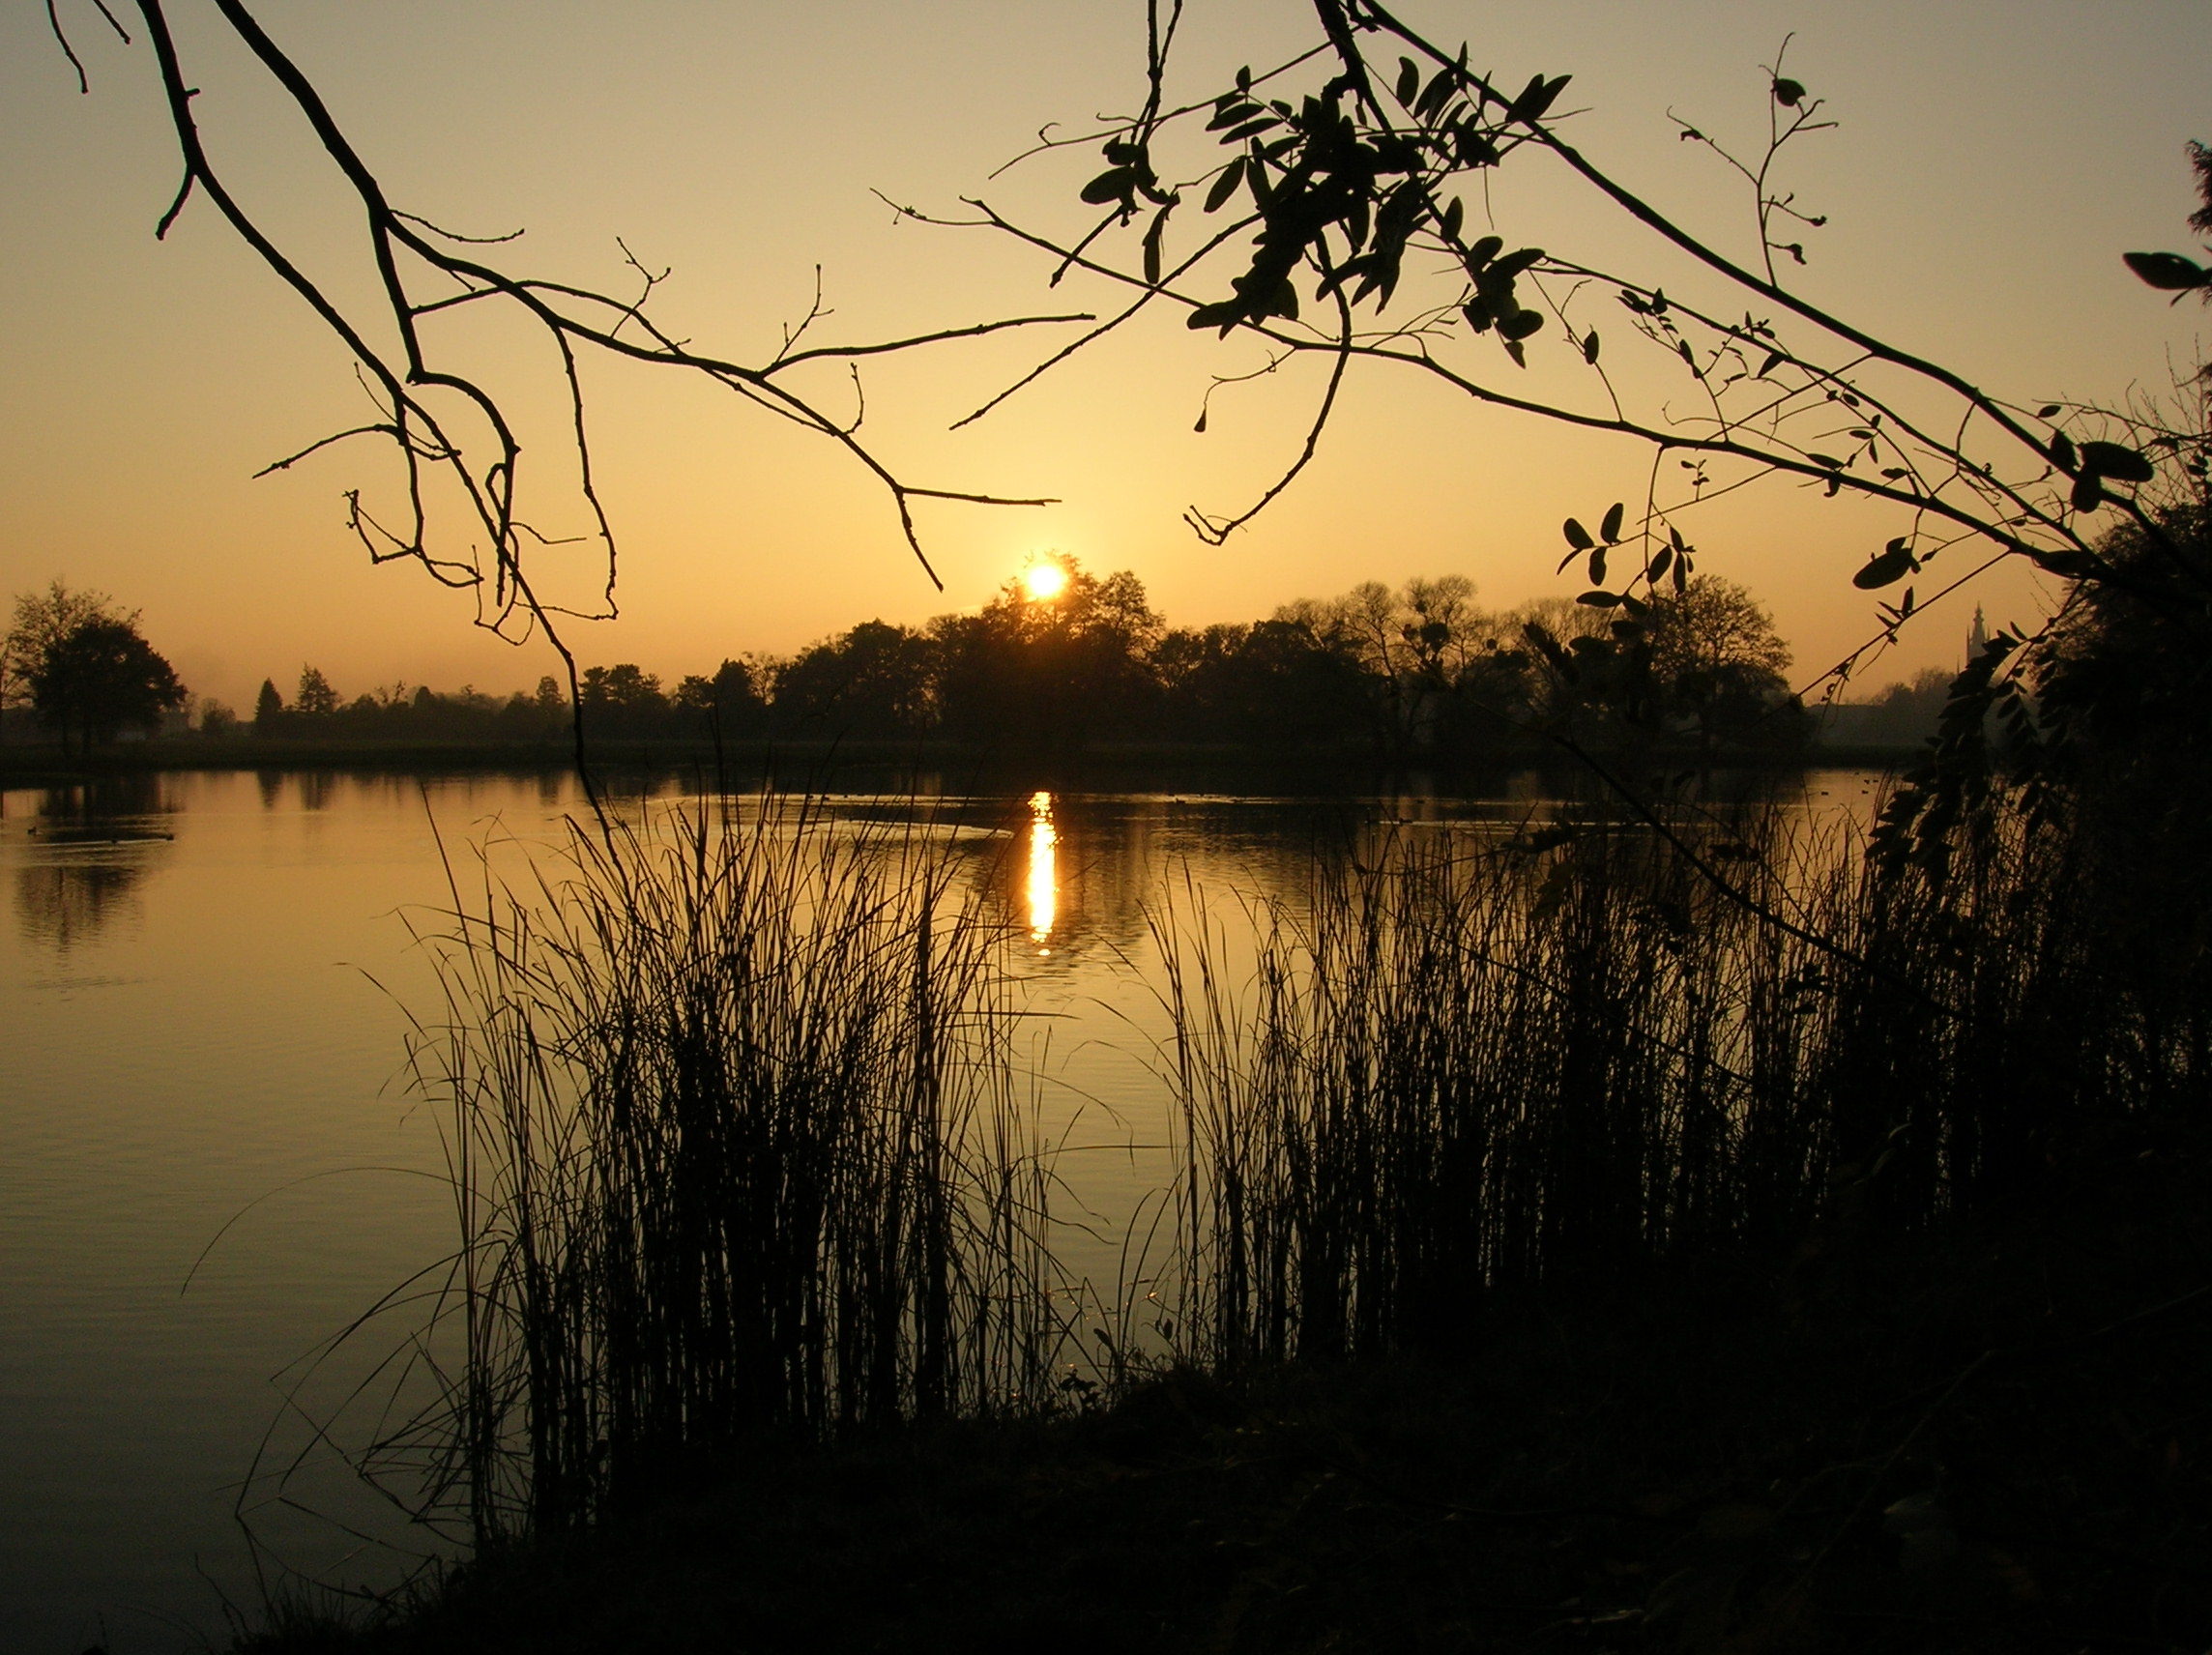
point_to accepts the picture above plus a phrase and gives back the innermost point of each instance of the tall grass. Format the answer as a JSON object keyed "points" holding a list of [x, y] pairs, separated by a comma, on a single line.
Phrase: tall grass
{"points": [[1463, 1067], [737, 1153], [741, 1142]]}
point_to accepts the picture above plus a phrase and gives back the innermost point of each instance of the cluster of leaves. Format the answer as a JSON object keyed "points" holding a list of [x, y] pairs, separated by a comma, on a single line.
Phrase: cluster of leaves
{"points": [[1315, 167]]}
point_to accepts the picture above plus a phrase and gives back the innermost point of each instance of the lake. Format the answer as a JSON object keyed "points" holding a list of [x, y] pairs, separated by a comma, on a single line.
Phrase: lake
{"points": [[211, 1164]]}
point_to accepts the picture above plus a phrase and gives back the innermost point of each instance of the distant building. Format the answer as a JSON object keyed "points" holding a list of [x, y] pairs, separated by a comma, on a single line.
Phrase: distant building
{"points": [[1902, 716]]}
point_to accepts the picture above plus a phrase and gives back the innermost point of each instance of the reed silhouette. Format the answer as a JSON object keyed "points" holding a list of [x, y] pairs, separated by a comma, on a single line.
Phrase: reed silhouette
{"points": [[737, 1154]]}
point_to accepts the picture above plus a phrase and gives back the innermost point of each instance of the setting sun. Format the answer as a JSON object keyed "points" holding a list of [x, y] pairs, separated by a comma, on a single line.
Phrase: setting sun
{"points": [[1045, 581]]}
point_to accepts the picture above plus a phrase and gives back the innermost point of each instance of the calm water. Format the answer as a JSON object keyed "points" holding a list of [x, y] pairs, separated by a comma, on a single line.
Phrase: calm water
{"points": [[202, 988]]}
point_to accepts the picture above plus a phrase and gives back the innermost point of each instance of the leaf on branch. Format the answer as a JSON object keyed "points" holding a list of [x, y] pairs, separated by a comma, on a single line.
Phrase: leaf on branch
{"points": [[1610, 530], [1473, 144], [1436, 94], [1790, 93], [2072, 565], [2062, 453], [1601, 599], [1535, 98], [2169, 272], [1115, 183], [1520, 326], [1409, 81], [1887, 566], [1773, 360], [2048, 411], [1483, 252], [1659, 563], [1454, 212], [1597, 566], [1225, 186], [1590, 347], [2120, 464], [1577, 537]]}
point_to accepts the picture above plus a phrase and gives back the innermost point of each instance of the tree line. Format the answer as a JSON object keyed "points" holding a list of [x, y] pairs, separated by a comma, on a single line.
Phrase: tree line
{"points": [[1418, 670]]}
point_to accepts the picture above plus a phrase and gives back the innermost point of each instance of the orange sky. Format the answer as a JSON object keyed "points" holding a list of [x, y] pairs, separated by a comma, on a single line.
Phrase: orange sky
{"points": [[1995, 158]]}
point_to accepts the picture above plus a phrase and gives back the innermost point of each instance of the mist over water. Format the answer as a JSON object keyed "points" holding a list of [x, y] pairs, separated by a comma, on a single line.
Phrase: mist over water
{"points": [[204, 982]]}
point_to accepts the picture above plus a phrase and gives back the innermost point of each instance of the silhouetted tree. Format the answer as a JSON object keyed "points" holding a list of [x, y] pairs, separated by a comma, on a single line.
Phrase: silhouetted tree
{"points": [[875, 681], [1717, 661], [268, 710], [1057, 670], [100, 677], [623, 700], [40, 621], [316, 698]]}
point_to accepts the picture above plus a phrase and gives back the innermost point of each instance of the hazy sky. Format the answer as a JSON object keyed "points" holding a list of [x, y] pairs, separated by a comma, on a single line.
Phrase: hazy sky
{"points": [[1995, 156]]}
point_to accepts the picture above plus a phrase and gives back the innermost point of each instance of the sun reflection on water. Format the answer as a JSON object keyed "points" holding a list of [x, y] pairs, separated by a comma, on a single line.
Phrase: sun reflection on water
{"points": [[1043, 887]]}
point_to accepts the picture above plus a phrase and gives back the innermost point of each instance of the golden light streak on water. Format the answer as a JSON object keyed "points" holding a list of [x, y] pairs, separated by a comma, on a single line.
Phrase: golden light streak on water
{"points": [[1043, 886]]}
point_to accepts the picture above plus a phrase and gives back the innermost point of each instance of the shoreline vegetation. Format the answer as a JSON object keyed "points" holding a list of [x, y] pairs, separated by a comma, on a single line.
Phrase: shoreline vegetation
{"points": [[34, 764], [1568, 1247]]}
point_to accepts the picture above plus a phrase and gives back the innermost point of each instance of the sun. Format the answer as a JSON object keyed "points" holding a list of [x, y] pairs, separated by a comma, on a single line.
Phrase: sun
{"points": [[1045, 581]]}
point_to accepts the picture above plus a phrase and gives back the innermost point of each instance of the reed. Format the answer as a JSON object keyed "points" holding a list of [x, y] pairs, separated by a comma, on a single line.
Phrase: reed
{"points": [[737, 1155], [1463, 1067], [742, 1147]]}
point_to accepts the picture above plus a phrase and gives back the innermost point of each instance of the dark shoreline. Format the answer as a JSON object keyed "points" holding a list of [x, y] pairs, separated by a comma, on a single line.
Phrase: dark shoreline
{"points": [[800, 765], [1989, 1439]]}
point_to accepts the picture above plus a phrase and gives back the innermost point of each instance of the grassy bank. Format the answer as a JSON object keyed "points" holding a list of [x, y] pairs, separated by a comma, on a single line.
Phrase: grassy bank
{"points": [[1997, 1442]]}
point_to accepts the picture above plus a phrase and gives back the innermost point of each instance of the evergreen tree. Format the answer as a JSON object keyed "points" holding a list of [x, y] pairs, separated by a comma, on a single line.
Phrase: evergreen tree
{"points": [[268, 710]]}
